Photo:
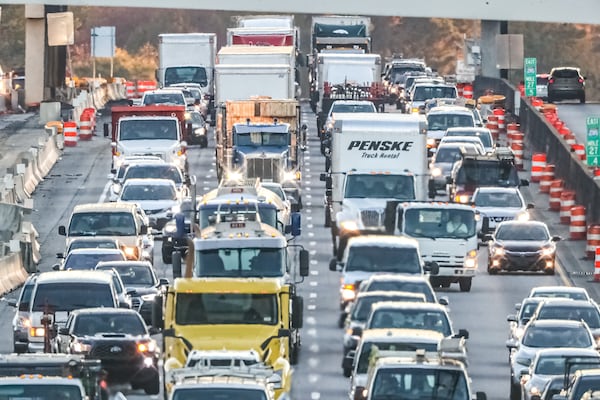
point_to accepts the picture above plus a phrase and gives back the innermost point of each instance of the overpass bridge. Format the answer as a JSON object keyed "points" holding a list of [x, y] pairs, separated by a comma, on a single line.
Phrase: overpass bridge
{"points": [[491, 13]]}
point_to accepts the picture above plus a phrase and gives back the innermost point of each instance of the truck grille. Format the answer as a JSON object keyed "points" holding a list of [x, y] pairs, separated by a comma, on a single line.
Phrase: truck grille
{"points": [[113, 350], [135, 303], [264, 168], [371, 218], [151, 153]]}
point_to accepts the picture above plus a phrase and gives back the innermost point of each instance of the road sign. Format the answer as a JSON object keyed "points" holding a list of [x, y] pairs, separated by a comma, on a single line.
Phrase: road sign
{"points": [[530, 70], [592, 145]]}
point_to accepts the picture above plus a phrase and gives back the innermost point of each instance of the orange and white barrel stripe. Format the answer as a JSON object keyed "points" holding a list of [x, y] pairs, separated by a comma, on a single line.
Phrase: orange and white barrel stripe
{"points": [[538, 163], [593, 240], [577, 227], [567, 200], [556, 188], [547, 178], [70, 133]]}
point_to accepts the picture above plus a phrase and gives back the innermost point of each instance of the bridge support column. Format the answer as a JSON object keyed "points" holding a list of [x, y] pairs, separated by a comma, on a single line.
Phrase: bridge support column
{"points": [[35, 52], [489, 30]]}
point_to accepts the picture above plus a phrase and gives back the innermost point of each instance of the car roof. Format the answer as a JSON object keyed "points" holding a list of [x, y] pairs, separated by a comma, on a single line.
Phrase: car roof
{"points": [[387, 293], [567, 351], [94, 250], [564, 302], [130, 263], [523, 223], [497, 189], [407, 305], [404, 335], [105, 310], [74, 276], [468, 129], [105, 207], [450, 109], [397, 277], [382, 241], [148, 182], [558, 289], [564, 323]]}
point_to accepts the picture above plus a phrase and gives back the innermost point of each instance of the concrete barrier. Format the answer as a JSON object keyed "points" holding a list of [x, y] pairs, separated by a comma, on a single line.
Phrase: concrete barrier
{"points": [[12, 272]]}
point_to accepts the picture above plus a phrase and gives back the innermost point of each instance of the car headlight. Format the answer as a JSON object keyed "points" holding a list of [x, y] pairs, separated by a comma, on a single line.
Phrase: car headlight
{"points": [[430, 142], [330, 126], [147, 346], [414, 110], [36, 331], [23, 323], [289, 176], [497, 251], [462, 198], [435, 172], [350, 226], [170, 228], [116, 188], [200, 132], [548, 251], [80, 347], [148, 297]]}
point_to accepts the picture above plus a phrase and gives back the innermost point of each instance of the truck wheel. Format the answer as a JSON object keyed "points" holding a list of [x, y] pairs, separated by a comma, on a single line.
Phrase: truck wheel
{"points": [[327, 217], [347, 372], [465, 284], [294, 354], [167, 255], [204, 142], [152, 387], [177, 264]]}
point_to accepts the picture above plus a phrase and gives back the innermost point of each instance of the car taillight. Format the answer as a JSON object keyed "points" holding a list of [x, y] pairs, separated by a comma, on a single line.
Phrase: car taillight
{"points": [[580, 80], [550, 80]]}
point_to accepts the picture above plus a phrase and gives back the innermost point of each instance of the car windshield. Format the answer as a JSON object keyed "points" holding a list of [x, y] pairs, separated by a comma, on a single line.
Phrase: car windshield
{"points": [[152, 129], [71, 296], [279, 139], [133, 275], [383, 259], [148, 192], [92, 244], [396, 285], [93, 324], [485, 138], [40, 391], [565, 73], [208, 213], [521, 232], [379, 187], [175, 75], [164, 98], [102, 223], [352, 108], [226, 309], [498, 199], [447, 154], [79, 261], [487, 173], [438, 222], [410, 319], [238, 262], [588, 314], [527, 309], [555, 365], [422, 93], [169, 172], [419, 383], [441, 122], [556, 336], [218, 393], [362, 306], [368, 350]]}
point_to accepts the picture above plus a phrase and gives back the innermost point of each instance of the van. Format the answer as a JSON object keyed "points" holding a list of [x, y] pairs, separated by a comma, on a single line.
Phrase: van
{"points": [[20, 323], [57, 293], [124, 221]]}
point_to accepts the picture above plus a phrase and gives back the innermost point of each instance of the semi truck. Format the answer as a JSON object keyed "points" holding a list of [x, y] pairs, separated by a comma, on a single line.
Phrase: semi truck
{"points": [[185, 58], [157, 130], [243, 81], [261, 138], [340, 32], [374, 158], [446, 233]]}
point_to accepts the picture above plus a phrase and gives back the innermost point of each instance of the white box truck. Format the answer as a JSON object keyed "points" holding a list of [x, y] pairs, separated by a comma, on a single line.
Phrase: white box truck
{"points": [[243, 81], [375, 158], [188, 58]]}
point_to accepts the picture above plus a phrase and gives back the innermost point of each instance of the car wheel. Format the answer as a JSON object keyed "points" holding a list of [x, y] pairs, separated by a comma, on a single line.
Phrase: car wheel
{"points": [[549, 271], [515, 391], [445, 284], [347, 372], [582, 99], [327, 217], [152, 387], [465, 284], [492, 271], [341, 321]]}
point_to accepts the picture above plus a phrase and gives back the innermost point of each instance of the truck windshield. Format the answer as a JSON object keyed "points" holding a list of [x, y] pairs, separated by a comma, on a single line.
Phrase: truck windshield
{"points": [[400, 260], [423, 93], [398, 74], [379, 187], [226, 309], [413, 318], [370, 349], [258, 262], [487, 173], [357, 74], [102, 223], [174, 75], [441, 122], [208, 214], [439, 223], [40, 392], [151, 129], [278, 139], [352, 108], [420, 383], [218, 393], [70, 296]]}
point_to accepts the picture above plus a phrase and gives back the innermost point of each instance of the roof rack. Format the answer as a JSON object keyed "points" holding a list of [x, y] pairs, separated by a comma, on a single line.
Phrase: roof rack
{"points": [[202, 373]]}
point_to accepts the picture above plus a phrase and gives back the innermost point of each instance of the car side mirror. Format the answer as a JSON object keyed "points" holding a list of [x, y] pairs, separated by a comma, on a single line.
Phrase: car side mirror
{"points": [[524, 182], [304, 263], [12, 303], [480, 396], [143, 230], [124, 304], [486, 238], [444, 301], [556, 238], [62, 230], [530, 206], [449, 180], [463, 333], [333, 264], [56, 267], [163, 282], [63, 331], [511, 344], [152, 330], [511, 318]]}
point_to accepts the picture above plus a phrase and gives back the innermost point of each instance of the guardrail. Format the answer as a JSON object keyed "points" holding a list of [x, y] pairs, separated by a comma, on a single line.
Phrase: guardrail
{"points": [[541, 136]]}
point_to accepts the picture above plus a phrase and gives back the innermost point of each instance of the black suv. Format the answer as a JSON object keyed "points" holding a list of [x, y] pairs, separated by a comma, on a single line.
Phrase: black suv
{"points": [[566, 83], [118, 338]]}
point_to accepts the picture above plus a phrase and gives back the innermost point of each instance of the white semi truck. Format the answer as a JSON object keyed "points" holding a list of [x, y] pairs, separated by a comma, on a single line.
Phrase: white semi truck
{"points": [[243, 81], [374, 158]]}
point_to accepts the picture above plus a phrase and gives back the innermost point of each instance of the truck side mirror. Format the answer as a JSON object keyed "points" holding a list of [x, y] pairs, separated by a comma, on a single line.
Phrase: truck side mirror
{"points": [[328, 192], [297, 312], [105, 130], [296, 224], [328, 183], [304, 262], [62, 230], [143, 230], [157, 312]]}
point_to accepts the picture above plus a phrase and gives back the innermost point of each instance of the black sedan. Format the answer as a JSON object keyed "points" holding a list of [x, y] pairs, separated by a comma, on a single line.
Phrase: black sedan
{"points": [[521, 246]]}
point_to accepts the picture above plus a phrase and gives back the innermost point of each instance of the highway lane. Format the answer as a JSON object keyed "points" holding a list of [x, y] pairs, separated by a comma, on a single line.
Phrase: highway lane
{"points": [[574, 116], [81, 175]]}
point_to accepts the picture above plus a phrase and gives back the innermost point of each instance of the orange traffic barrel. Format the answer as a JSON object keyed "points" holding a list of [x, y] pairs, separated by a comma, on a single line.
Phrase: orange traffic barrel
{"points": [[85, 126], [546, 178], [593, 240], [500, 114], [459, 88], [570, 139], [538, 163], [468, 91], [579, 151], [564, 131], [130, 89], [577, 229], [517, 147], [597, 265], [567, 200], [556, 188], [537, 102], [70, 133], [511, 129], [492, 125]]}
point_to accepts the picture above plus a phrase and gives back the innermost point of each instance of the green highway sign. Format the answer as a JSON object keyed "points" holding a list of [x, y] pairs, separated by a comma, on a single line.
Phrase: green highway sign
{"points": [[530, 71], [592, 144]]}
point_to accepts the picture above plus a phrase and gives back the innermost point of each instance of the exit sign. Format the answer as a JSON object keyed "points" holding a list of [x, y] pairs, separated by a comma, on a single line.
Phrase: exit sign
{"points": [[530, 70]]}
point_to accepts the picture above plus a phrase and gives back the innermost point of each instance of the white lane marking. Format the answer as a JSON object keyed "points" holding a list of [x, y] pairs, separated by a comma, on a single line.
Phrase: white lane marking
{"points": [[315, 395], [313, 262], [309, 217], [211, 170], [314, 283], [310, 234], [104, 193], [314, 348], [311, 332], [313, 363], [308, 176], [312, 252], [312, 243], [312, 378], [309, 203], [310, 226], [312, 295], [311, 320], [206, 188], [308, 189], [308, 196], [309, 211], [311, 307], [307, 169], [313, 272]]}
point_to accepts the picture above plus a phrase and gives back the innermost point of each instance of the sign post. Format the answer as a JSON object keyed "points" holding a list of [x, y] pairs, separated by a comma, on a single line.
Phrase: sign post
{"points": [[592, 145], [530, 70]]}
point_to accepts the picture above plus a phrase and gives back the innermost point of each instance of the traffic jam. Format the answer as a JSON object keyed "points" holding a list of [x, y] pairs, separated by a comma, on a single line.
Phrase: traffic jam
{"points": [[200, 271]]}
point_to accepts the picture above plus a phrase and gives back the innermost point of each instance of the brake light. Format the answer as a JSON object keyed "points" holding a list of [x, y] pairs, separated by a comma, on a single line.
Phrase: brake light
{"points": [[551, 80], [580, 80], [326, 89]]}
